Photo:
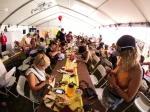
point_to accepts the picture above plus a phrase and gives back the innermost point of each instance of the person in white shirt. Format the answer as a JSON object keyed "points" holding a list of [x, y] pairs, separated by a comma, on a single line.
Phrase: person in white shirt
{"points": [[42, 42]]}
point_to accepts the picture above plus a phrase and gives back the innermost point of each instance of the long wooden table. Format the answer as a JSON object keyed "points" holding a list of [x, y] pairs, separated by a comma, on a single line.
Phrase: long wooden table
{"points": [[83, 74], [12, 58]]}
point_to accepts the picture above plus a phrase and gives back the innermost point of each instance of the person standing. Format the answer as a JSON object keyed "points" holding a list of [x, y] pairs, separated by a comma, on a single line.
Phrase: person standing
{"points": [[124, 82], [3, 40], [60, 35], [100, 38], [69, 37], [25, 41]]}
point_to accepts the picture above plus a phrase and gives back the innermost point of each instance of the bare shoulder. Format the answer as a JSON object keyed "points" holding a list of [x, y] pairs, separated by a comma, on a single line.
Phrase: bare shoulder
{"points": [[136, 72], [31, 76]]}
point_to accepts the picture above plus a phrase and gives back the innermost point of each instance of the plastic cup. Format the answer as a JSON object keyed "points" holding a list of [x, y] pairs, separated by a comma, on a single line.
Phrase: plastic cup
{"points": [[78, 93]]}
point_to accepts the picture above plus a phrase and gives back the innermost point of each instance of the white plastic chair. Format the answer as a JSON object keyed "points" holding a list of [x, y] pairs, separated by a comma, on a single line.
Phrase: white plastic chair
{"points": [[141, 102], [25, 65], [6, 78], [99, 92], [5, 53], [10, 80], [20, 90], [96, 78], [96, 59]]}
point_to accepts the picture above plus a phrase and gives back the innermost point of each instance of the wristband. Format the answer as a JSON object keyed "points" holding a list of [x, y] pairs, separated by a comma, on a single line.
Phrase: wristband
{"points": [[115, 88]]}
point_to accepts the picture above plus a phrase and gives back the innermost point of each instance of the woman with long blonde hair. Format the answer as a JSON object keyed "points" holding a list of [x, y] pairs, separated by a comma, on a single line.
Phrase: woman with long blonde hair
{"points": [[124, 81]]}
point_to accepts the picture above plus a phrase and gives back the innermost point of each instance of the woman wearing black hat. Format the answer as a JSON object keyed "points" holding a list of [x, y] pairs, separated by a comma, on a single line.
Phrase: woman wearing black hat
{"points": [[86, 58], [124, 81]]}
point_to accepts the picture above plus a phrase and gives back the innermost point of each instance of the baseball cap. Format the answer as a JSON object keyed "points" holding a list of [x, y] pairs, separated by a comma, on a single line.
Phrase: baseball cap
{"points": [[125, 42]]}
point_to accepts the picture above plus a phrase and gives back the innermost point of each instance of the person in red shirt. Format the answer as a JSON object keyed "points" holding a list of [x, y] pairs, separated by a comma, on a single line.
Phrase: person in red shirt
{"points": [[3, 40], [69, 37]]}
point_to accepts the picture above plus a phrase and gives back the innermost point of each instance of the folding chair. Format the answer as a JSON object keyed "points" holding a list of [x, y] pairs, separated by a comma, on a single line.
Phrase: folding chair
{"points": [[141, 102], [96, 60], [98, 77], [20, 90], [25, 65]]}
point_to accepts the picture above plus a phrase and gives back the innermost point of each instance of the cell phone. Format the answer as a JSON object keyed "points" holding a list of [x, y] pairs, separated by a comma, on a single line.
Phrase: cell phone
{"points": [[59, 91]]}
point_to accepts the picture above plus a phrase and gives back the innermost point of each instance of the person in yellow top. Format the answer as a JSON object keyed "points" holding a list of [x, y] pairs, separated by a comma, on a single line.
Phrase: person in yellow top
{"points": [[124, 82], [24, 41]]}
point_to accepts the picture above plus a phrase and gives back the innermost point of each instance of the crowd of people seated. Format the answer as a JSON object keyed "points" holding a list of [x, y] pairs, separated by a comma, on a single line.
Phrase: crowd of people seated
{"points": [[123, 81]]}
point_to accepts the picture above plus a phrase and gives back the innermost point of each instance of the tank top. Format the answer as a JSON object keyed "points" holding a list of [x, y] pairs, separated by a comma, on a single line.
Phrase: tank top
{"points": [[121, 78]]}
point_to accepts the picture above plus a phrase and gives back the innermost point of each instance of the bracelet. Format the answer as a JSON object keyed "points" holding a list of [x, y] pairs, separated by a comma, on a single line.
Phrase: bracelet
{"points": [[115, 88]]}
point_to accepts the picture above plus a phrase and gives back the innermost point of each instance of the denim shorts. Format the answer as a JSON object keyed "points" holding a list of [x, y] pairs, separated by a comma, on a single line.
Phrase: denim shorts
{"points": [[110, 98], [38, 94]]}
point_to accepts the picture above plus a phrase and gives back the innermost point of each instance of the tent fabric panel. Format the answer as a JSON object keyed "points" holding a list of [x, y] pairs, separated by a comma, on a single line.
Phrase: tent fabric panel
{"points": [[144, 5], [101, 18], [4, 15], [41, 15], [80, 7], [122, 11], [14, 19], [96, 3], [64, 3], [11, 5], [82, 17], [46, 19]]}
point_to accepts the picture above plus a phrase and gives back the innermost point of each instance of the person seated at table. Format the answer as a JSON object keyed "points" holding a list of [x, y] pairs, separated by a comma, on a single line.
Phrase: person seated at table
{"points": [[51, 52], [37, 78], [86, 58], [42, 42], [33, 48], [83, 47], [143, 84], [113, 59], [83, 43], [99, 49], [111, 48], [57, 41], [35, 36], [61, 47], [105, 52], [17, 46]]}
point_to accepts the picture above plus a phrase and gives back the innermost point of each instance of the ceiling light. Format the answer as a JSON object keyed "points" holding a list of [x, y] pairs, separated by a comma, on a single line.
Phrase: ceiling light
{"points": [[4, 9], [41, 6]]}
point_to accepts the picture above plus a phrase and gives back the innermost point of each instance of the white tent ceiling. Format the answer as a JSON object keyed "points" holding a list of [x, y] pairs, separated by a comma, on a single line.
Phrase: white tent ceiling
{"points": [[91, 12]]}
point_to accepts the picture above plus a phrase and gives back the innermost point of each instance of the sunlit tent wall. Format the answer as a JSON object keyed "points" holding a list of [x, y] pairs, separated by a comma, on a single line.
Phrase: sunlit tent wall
{"points": [[68, 23], [79, 16]]}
